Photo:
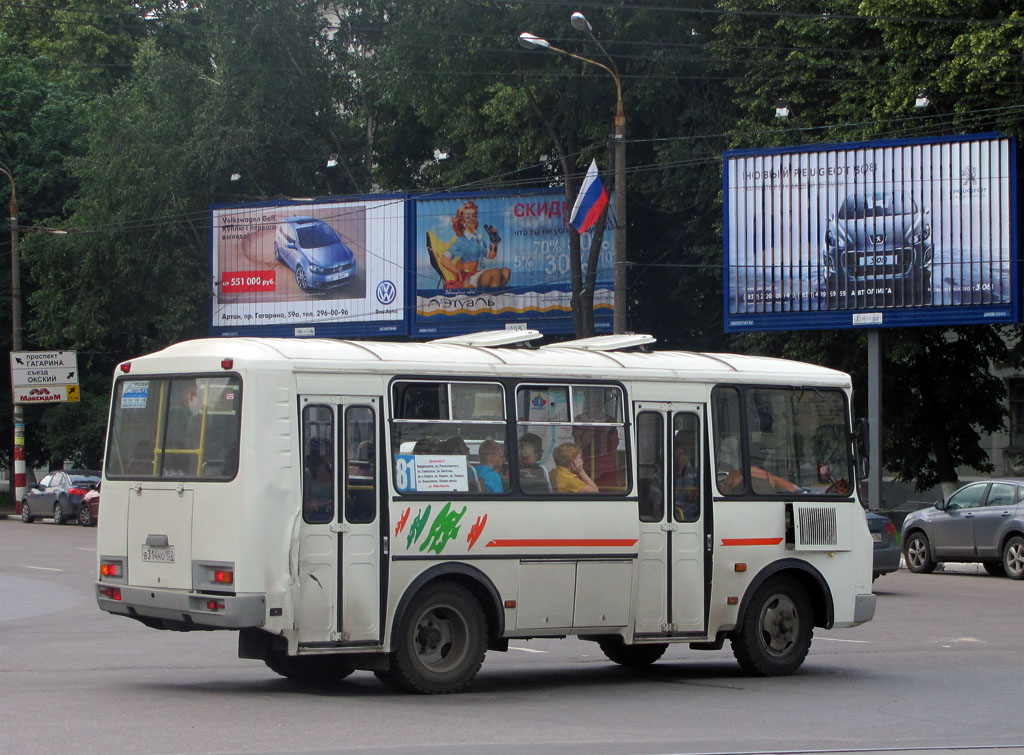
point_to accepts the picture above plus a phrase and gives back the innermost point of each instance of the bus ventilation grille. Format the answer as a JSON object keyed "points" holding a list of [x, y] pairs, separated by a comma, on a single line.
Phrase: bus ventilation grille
{"points": [[818, 525]]}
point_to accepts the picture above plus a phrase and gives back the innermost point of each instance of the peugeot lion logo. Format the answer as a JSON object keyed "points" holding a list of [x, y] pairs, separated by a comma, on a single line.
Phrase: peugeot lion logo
{"points": [[877, 238], [969, 176]]}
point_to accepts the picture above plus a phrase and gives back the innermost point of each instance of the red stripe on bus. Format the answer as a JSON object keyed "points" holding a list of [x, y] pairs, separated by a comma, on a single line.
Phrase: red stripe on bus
{"points": [[751, 540], [561, 543]]}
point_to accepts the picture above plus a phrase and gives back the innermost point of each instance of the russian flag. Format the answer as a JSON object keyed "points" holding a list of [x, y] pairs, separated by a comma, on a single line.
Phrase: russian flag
{"points": [[590, 202]]}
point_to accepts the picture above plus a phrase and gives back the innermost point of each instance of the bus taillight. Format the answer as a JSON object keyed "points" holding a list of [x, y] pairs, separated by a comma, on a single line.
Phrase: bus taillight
{"points": [[114, 593], [110, 569], [215, 605], [223, 576]]}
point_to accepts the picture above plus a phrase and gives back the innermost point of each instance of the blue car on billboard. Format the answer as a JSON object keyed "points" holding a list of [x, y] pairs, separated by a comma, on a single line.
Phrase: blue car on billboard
{"points": [[314, 252], [877, 240]]}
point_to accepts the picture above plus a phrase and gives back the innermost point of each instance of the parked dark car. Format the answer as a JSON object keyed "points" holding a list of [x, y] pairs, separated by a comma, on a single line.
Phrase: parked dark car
{"points": [[89, 511], [314, 252], [877, 240], [887, 548], [59, 494], [982, 522]]}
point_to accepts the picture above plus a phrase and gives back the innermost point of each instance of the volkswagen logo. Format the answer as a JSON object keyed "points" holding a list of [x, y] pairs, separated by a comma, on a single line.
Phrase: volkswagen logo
{"points": [[386, 292]]}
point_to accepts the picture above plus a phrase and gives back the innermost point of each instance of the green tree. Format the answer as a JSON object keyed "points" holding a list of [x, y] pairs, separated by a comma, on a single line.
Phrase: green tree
{"points": [[852, 71], [211, 92]]}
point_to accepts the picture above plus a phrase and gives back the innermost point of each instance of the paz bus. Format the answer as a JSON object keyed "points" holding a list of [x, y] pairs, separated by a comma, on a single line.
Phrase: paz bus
{"points": [[403, 508]]}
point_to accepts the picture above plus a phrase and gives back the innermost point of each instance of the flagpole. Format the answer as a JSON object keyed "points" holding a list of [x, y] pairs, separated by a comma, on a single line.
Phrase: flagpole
{"points": [[579, 22]]}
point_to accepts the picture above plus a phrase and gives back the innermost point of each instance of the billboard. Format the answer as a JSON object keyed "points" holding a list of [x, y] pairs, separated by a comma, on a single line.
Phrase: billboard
{"points": [[489, 260], [330, 268], [876, 234]]}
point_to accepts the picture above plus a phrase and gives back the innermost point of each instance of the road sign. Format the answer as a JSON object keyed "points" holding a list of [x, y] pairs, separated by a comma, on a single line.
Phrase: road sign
{"points": [[43, 376]]}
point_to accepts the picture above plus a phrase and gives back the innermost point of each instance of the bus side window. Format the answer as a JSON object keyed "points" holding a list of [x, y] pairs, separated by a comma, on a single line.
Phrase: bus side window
{"points": [[318, 464], [360, 465], [650, 438]]}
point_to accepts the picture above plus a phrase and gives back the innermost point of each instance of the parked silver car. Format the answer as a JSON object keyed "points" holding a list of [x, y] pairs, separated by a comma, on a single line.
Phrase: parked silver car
{"points": [[982, 522]]}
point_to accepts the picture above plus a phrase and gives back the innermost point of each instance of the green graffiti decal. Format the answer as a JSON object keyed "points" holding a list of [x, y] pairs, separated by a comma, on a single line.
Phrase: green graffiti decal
{"points": [[416, 528], [444, 528]]}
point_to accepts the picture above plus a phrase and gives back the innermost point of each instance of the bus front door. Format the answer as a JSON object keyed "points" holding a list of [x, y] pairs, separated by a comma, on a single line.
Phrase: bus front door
{"points": [[340, 536], [674, 552]]}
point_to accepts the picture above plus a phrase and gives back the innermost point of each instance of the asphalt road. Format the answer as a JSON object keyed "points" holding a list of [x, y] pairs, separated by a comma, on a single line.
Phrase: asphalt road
{"points": [[940, 669]]}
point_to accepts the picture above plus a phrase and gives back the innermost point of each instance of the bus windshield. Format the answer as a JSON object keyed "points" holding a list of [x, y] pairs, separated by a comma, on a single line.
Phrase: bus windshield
{"points": [[175, 427]]}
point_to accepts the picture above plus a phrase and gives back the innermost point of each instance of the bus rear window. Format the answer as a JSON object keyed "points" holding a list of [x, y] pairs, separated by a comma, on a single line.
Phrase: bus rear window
{"points": [[175, 427]]}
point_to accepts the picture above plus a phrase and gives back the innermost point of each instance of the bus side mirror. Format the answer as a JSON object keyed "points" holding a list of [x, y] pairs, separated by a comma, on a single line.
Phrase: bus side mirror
{"points": [[861, 435]]}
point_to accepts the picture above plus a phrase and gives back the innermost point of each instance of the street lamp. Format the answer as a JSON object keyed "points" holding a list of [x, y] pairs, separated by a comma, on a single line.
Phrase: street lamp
{"points": [[580, 23], [18, 414]]}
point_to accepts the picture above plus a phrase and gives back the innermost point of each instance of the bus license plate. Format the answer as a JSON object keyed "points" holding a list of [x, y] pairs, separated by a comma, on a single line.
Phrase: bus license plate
{"points": [[158, 555]]}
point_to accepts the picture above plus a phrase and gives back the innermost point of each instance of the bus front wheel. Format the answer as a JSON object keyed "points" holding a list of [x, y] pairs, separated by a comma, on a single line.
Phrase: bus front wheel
{"points": [[775, 634], [440, 641], [316, 669]]}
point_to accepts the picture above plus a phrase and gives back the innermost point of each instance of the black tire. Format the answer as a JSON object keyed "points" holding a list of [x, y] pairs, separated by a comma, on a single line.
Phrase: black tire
{"points": [[58, 514], [26, 515], [995, 568], [917, 552], [440, 642], [317, 669], [1013, 557], [85, 515], [775, 633], [632, 656]]}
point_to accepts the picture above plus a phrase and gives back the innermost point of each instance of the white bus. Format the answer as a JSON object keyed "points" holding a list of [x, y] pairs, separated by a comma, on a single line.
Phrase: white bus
{"points": [[404, 507]]}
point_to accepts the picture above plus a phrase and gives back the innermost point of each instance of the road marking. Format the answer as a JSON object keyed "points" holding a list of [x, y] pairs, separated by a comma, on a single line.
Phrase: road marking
{"points": [[837, 639], [41, 568], [91, 550], [526, 650]]}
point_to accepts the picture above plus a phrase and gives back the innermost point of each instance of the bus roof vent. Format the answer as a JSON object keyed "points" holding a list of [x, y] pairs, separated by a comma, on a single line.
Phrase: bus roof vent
{"points": [[614, 342], [491, 338]]}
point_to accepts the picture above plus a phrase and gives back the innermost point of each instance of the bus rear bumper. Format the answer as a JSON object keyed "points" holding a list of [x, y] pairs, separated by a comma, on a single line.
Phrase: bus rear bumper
{"points": [[184, 611]]}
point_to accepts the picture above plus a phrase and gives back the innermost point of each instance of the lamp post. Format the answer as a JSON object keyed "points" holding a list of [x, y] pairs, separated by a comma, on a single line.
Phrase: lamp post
{"points": [[18, 415], [580, 23]]}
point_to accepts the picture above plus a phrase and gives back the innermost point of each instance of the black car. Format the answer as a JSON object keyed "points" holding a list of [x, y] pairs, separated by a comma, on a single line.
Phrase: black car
{"points": [[59, 494], [880, 243], [887, 548]]}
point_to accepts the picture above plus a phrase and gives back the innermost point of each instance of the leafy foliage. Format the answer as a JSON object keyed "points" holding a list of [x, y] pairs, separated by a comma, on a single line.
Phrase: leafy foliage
{"points": [[123, 122]]}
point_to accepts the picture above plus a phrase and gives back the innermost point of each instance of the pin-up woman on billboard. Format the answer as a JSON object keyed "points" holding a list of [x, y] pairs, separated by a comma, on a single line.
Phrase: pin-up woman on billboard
{"points": [[463, 258]]}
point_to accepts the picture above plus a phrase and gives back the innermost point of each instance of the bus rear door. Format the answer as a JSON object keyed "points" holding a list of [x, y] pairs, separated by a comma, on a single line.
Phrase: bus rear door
{"points": [[674, 550], [340, 542]]}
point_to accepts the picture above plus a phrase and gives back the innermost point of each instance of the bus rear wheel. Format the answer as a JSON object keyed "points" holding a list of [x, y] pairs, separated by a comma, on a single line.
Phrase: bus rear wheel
{"points": [[440, 642], [633, 656], [775, 634], [316, 669]]}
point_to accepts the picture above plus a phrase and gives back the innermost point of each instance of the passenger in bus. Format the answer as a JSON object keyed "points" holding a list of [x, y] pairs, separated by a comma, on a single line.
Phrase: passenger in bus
{"points": [[569, 476], [599, 445], [491, 466], [456, 446], [318, 493], [533, 478], [686, 480], [427, 445]]}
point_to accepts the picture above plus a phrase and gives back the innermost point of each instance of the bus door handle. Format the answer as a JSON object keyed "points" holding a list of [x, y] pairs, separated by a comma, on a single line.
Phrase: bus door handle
{"points": [[339, 527]]}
